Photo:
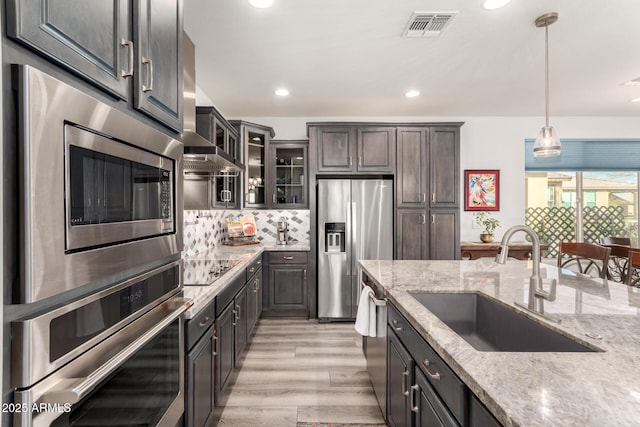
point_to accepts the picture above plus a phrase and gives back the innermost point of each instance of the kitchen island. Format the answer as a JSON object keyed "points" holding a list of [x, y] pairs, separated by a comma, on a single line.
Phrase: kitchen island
{"points": [[532, 389]]}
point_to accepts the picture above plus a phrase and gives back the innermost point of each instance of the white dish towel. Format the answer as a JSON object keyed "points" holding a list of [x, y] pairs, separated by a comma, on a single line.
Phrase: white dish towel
{"points": [[366, 315]]}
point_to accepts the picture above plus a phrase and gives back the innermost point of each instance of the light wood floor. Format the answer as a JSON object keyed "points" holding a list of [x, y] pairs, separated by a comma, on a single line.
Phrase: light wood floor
{"points": [[300, 370]]}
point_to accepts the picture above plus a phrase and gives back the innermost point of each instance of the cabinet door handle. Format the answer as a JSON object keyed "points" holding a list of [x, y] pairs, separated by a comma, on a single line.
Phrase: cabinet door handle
{"points": [[287, 257], [424, 219], [257, 282], [149, 87], [129, 45], [274, 198], [350, 161], [433, 219], [204, 322], [423, 197], [252, 269], [426, 364], [405, 388], [396, 327], [412, 402], [359, 160], [215, 343], [235, 317], [238, 312], [433, 197], [304, 272]]}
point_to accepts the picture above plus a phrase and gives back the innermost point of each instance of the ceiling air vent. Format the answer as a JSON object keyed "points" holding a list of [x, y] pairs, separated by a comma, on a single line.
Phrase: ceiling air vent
{"points": [[428, 24]]}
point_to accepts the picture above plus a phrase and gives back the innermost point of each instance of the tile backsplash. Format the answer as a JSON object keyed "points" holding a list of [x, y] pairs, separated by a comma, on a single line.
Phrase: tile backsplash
{"points": [[204, 230]]}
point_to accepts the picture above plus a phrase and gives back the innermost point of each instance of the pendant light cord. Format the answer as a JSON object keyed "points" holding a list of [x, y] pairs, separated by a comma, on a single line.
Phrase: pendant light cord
{"points": [[546, 73]]}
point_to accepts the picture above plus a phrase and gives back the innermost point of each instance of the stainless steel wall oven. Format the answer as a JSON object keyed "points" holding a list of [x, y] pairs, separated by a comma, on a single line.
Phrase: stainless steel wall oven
{"points": [[112, 358], [101, 194]]}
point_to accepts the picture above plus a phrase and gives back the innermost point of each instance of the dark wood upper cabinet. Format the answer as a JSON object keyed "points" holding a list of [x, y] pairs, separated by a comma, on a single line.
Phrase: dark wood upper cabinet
{"points": [[444, 166], [91, 38], [413, 168], [159, 73], [376, 149], [336, 149], [356, 149]]}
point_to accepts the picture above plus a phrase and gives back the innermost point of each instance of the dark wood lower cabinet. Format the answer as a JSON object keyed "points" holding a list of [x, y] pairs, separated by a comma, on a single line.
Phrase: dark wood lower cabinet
{"points": [[241, 321], [427, 234], [225, 324], [286, 288], [399, 379], [200, 381], [422, 390], [254, 300], [412, 236], [428, 408]]}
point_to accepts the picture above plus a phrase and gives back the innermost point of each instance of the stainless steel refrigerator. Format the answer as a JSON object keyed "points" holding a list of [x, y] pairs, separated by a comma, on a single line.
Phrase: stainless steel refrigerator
{"points": [[355, 221]]}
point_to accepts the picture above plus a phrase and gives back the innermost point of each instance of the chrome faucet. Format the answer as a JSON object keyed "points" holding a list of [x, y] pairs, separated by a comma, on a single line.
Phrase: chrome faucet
{"points": [[536, 293]]}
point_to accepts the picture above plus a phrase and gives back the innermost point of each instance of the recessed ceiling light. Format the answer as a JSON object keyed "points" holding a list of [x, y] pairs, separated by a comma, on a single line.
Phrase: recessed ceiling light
{"points": [[262, 4], [494, 4], [281, 92], [412, 93], [635, 100]]}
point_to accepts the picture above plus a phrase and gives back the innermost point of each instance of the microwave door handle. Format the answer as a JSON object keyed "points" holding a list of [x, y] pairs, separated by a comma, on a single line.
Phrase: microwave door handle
{"points": [[73, 390]]}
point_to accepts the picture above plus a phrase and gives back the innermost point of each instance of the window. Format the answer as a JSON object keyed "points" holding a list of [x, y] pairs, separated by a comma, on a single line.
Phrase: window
{"points": [[609, 192]]}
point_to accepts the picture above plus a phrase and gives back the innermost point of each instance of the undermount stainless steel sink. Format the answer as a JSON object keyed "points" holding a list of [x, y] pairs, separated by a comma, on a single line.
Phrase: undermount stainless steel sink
{"points": [[489, 325]]}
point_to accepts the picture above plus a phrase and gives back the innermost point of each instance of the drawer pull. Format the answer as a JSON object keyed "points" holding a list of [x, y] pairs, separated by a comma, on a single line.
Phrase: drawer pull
{"points": [[405, 389], [426, 364], [396, 327], [412, 401], [259, 262], [204, 321], [252, 269], [288, 257]]}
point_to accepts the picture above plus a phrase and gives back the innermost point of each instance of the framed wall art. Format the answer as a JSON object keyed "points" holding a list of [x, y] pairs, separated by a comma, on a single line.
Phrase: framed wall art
{"points": [[481, 190]]}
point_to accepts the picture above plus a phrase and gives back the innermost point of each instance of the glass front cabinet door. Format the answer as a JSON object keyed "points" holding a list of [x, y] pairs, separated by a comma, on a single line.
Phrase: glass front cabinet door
{"points": [[254, 139], [256, 178], [288, 160]]}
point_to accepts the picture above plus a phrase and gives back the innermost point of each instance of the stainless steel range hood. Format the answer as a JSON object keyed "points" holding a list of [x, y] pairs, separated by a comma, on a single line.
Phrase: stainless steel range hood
{"points": [[201, 156]]}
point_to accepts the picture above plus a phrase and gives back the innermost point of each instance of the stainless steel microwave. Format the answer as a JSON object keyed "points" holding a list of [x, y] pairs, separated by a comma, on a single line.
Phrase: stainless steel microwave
{"points": [[101, 192]]}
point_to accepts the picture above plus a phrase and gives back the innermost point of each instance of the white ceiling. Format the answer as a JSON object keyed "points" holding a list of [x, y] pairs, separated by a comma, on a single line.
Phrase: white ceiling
{"points": [[346, 58]]}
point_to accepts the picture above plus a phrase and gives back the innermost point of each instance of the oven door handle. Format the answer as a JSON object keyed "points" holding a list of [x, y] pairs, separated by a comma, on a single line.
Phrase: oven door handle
{"points": [[73, 390]]}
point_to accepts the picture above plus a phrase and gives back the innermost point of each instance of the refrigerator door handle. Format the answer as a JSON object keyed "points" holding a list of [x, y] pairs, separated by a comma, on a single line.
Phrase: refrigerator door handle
{"points": [[354, 241], [348, 236]]}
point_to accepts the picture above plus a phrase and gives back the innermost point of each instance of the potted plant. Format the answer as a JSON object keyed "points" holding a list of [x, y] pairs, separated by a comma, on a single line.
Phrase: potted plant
{"points": [[489, 223]]}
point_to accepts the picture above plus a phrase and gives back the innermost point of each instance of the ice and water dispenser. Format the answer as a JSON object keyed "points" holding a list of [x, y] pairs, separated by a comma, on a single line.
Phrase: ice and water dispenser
{"points": [[334, 236]]}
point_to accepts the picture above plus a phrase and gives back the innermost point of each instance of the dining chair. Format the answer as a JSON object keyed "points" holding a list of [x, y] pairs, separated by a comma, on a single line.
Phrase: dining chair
{"points": [[633, 269], [584, 258], [618, 262]]}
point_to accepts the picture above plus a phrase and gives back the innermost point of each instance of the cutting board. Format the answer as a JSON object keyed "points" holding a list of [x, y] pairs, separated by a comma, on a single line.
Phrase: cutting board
{"points": [[249, 242]]}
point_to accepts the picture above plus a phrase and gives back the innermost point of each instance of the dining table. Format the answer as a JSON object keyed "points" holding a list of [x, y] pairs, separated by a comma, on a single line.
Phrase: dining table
{"points": [[518, 249]]}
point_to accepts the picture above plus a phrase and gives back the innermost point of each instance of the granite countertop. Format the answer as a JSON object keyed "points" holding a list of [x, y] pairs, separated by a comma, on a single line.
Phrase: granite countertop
{"points": [[533, 389], [196, 270]]}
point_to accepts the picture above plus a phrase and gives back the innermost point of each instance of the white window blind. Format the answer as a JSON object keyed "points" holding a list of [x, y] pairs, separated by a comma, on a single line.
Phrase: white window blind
{"points": [[586, 155]]}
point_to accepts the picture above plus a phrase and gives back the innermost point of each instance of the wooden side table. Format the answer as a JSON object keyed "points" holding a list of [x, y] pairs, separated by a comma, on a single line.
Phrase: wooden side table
{"points": [[517, 250]]}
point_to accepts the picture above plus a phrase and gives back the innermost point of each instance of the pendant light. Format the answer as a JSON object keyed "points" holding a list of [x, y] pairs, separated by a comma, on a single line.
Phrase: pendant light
{"points": [[547, 143]]}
